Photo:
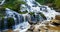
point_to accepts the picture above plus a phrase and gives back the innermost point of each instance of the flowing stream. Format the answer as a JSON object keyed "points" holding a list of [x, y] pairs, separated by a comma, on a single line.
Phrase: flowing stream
{"points": [[21, 20]]}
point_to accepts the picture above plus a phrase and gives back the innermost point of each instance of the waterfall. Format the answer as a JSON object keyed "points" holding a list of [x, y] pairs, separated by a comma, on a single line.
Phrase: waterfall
{"points": [[21, 20], [2, 2], [33, 6]]}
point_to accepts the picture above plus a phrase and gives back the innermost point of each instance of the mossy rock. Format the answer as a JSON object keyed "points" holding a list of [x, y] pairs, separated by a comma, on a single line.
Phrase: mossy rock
{"points": [[23, 12], [42, 15], [2, 12], [10, 22], [31, 13], [41, 1], [13, 4], [2, 23]]}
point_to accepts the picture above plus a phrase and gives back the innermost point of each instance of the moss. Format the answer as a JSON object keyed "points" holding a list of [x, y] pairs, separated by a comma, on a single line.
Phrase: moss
{"points": [[2, 12], [43, 2], [57, 3], [2, 23], [23, 12], [13, 4], [42, 15], [31, 13], [10, 22]]}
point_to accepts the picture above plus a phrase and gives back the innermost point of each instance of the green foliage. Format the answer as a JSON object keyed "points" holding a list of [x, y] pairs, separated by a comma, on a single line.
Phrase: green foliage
{"points": [[2, 12], [10, 22], [45, 1], [42, 15], [40, 1], [23, 12], [49, 1], [57, 3], [31, 13], [2, 23], [13, 4]]}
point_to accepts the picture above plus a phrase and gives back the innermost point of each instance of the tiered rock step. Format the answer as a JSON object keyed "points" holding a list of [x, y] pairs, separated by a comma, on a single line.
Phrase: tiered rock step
{"points": [[47, 26], [53, 26]]}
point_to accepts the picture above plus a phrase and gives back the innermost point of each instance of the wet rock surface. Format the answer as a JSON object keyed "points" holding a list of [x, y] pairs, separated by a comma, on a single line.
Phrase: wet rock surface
{"points": [[46, 26], [38, 21], [57, 17]]}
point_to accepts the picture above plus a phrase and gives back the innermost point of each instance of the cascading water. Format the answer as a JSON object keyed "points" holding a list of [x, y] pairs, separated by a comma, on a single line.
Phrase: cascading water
{"points": [[18, 18], [33, 6], [21, 20], [2, 2]]}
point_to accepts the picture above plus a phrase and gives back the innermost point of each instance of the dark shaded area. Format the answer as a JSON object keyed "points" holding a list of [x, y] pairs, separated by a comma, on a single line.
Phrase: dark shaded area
{"points": [[10, 23], [56, 24]]}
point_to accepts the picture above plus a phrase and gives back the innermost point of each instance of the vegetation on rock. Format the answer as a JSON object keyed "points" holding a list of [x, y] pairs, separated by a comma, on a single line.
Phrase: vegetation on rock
{"points": [[2, 24], [2, 12], [42, 15], [57, 3], [51, 3], [45, 1], [13, 4], [31, 13], [23, 12], [10, 22]]}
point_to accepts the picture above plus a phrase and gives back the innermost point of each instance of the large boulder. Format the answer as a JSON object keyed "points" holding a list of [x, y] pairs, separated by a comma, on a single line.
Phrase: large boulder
{"points": [[57, 17]]}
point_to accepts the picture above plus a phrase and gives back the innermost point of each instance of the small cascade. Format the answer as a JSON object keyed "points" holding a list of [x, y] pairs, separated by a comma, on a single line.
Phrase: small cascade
{"points": [[41, 13], [33, 6], [20, 20], [2, 2]]}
